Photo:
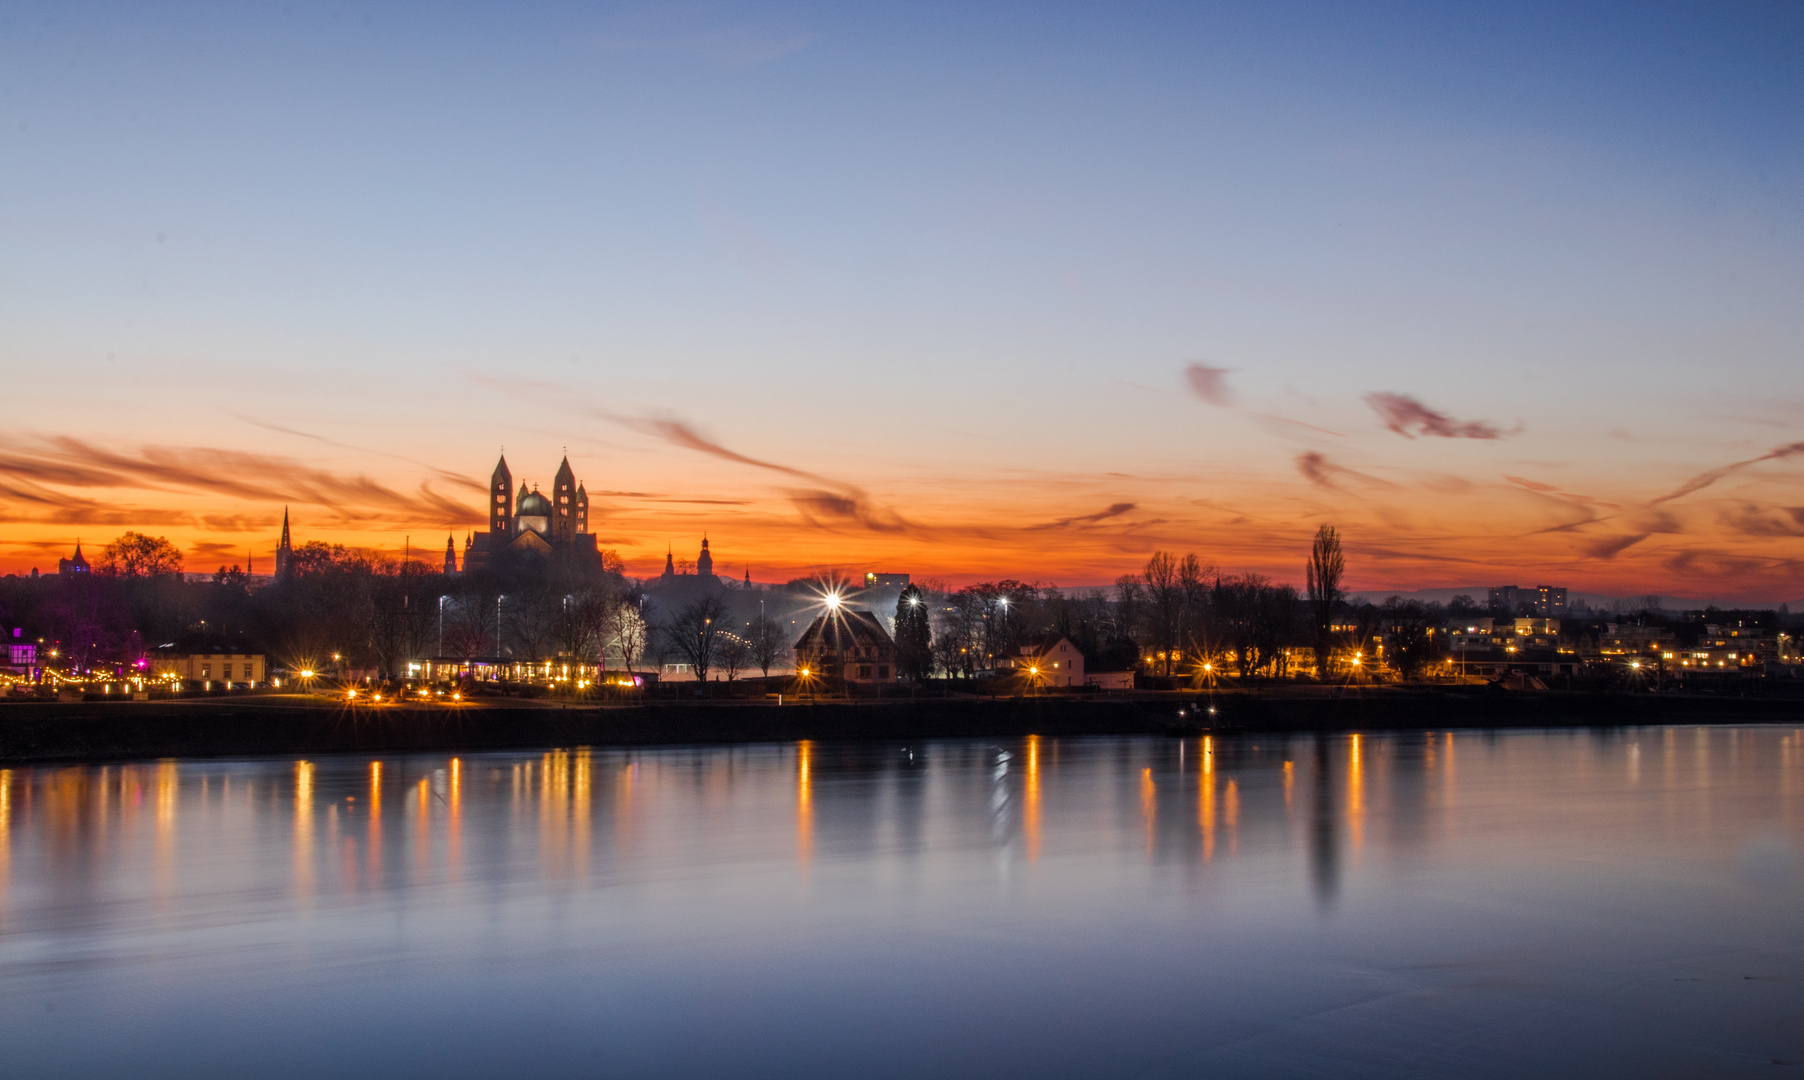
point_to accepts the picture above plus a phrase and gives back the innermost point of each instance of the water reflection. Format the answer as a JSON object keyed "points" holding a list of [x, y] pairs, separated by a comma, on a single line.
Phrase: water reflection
{"points": [[605, 865]]}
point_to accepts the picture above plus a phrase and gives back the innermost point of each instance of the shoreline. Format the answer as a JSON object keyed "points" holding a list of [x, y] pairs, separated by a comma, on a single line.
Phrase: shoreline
{"points": [[46, 732]]}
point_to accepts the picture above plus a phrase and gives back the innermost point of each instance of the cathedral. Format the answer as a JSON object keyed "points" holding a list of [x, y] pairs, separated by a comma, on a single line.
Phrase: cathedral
{"points": [[526, 522]]}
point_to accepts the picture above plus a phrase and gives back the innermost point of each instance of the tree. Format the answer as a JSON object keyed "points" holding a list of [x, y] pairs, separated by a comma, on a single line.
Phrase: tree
{"points": [[583, 622], [1165, 603], [1410, 626], [695, 633], [135, 555], [471, 628], [628, 631], [529, 619], [766, 639], [914, 636], [735, 652], [1327, 567], [1256, 619]]}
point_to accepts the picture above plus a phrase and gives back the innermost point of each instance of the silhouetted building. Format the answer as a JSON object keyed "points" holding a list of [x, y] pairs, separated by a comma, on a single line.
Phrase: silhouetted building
{"points": [[704, 570], [1051, 660], [76, 565], [1547, 601], [284, 551], [530, 523], [848, 645]]}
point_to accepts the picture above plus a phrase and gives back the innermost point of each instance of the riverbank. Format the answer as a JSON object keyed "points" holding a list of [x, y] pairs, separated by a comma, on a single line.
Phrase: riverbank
{"points": [[294, 724]]}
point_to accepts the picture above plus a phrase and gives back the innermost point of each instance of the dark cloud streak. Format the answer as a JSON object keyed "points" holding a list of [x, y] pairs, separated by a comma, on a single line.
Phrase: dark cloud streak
{"points": [[1402, 413]]}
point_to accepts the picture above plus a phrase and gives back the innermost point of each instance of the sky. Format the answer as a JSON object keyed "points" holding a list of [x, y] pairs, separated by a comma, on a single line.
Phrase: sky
{"points": [[1506, 293]]}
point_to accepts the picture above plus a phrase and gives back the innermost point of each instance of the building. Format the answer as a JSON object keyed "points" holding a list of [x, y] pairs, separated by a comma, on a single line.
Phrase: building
{"points": [[1547, 601], [528, 523], [284, 551], [76, 565], [847, 645], [703, 574], [874, 580], [230, 668], [1051, 661]]}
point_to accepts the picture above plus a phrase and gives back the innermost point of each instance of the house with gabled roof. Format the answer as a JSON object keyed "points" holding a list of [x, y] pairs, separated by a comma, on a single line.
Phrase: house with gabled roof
{"points": [[849, 645]]}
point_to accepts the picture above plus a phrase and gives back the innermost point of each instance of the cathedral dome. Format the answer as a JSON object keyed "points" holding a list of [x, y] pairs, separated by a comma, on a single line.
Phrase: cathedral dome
{"points": [[533, 514]]}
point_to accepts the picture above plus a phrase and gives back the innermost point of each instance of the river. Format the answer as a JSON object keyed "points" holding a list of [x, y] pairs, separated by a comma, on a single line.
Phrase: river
{"points": [[1623, 902]]}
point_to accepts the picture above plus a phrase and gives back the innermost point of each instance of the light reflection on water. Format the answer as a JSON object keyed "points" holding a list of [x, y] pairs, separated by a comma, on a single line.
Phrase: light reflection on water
{"points": [[1565, 903]]}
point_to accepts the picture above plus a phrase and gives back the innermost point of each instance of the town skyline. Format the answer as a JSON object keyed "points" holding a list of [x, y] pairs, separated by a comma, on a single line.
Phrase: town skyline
{"points": [[924, 550]]}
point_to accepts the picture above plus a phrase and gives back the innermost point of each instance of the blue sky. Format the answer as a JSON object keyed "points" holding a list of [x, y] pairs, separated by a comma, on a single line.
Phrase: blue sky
{"points": [[1006, 228]]}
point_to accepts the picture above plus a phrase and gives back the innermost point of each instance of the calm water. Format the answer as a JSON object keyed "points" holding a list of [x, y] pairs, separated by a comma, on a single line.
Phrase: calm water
{"points": [[1627, 903]]}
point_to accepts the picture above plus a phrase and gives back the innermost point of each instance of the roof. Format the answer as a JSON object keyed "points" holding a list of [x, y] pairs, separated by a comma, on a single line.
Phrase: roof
{"points": [[1040, 646], [533, 504], [844, 630]]}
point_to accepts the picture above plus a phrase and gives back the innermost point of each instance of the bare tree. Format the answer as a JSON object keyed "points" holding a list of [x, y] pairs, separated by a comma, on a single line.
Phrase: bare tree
{"points": [[583, 622], [735, 654], [1327, 566], [1165, 601], [1409, 624], [529, 621], [628, 631], [695, 633], [768, 643]]}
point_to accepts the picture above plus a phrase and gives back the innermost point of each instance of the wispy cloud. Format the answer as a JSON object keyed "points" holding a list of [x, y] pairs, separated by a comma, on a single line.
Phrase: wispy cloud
{"points": [[1210, 384], [1318, 470], [234, 474], [1112, 511], [444, 474], [1408, 417], [833, 504], [1705, 479], [1611, 546]]}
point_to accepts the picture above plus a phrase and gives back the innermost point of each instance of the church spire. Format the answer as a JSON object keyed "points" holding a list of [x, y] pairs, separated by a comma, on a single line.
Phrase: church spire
{"points": [[284, 550], [669, 564], [450, 555]]}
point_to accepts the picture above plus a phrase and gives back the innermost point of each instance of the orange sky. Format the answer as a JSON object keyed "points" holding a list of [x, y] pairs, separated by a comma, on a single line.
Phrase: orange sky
{"points": [[1418, 510]]}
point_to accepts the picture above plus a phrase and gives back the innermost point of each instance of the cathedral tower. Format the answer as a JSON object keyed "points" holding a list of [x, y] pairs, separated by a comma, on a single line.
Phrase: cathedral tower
{"points": [[704, 563], [501, 499], [450, 556], [563, 504]]}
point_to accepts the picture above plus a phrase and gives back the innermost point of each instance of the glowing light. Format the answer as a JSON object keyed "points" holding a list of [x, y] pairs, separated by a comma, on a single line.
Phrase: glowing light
{"points": [[306, 673]]}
